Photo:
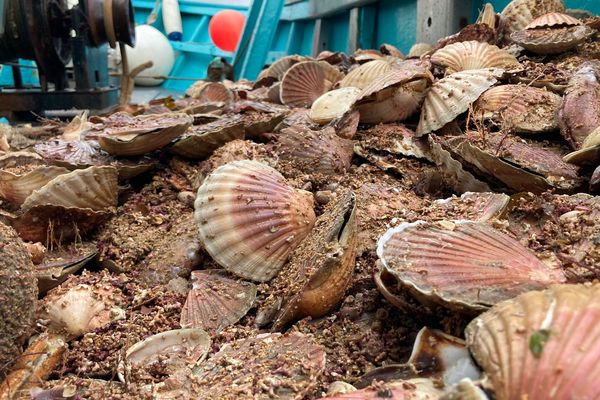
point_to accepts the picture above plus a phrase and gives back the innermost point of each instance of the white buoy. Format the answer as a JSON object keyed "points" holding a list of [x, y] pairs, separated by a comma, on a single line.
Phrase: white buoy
{"points": [[151, 45], [172, 19]]}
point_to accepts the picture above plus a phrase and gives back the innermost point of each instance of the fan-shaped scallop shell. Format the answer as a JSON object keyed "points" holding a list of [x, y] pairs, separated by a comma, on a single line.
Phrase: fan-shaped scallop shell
{"points": [[180, 347], [200, 141], [216, 301], [519, 13], [464, 265], [232, 372], [320, 269], [72, 154], [152, 133], [315, 151], [542, 344], [278, 69], [419, 49], [16, 187], [250, 219], [552, 40], [522, 108], [451, 96], [463, 56], [94, 188], [333, 104], [488, 16], [215, 92], [553, 19], [306, 81], [366, 73]]}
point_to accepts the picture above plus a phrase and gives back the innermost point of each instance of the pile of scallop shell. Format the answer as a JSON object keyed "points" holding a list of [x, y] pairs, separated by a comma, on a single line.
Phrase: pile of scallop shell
{"points": [[358, 226]]}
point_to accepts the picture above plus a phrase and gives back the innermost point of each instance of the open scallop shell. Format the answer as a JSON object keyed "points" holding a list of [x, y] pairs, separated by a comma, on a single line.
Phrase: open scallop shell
{"points": [[250, 220], [541, 344], [60, 263], [519, 165], [17, 187], [451, 96], [467, 266], [306, 81], [519, 13], [463, 56], [521, 108], [143, 134], [320, 269], [315, 151], [94, 188], [250, 368], [580, 111], [176, 349], [553, 19], [215, 301], [589, 153], [552, 40], [366, 73], [333, 104], [202, 140]]}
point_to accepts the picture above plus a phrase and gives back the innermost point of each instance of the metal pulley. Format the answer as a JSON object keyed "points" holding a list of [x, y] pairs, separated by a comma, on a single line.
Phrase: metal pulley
{"points": [[110, 21]]}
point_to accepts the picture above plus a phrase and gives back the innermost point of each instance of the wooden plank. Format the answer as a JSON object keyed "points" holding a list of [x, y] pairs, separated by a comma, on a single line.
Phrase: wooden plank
{"points": [[439, 18]]}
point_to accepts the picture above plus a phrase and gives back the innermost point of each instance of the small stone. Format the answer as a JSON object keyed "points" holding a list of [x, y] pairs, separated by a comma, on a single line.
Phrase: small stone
{"points": [[323, 196], [339, 387], [187, 198]]}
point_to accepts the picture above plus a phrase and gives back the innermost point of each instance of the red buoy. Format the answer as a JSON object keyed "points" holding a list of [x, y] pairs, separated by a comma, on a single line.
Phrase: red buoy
{"points": [[225, 29]]}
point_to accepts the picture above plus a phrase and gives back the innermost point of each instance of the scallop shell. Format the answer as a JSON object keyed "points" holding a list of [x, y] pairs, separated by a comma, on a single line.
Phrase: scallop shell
{"points": [[151, 133], [474, 206], [234, 371], [315, 151], [177, 349], [333, 104], [552, 40], [250, 220], [419, 49], [451, 96], [553, 19], [72, 154], [420, 388], [16, 188], [488, 16], [60, 263], [517, 164], [278, 69], [541, 344], [467, 266], [94, 188], [215, 301], [580, 111], [200, 141], [320, 269], [306, 81], [364, 74], [463, 56], [346, 125], [390, 50], [595, 181], [519, 107], [215, 92], [274, 93], [589, 153], [366, 55], [519, 13]]}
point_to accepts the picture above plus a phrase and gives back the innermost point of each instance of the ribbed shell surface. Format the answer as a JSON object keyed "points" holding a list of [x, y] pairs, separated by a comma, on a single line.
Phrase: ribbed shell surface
{"points": [[306, 81], [552, 41], [366, 73], [553, 19], [542, 344], [519, 13], [463, 56], [452, 95], [250, 219], [333, 104], [16, 188], [462, 263]]}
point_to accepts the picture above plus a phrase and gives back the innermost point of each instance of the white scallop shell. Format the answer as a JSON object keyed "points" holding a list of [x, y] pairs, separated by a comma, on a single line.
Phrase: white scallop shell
{"points": [[463, 56]]}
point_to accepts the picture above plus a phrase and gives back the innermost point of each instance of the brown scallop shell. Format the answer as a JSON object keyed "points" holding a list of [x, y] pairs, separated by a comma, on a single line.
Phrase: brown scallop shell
{"points": [[58, 264], [488, 16], [463, 56], [390, 50], [17, 187], [519, 13], [333, 104], [520, 108], [315, 151], [200, 141], [306, 81], [94, 188], [580, 111], [250, 220], [215, 301], [278, 69], [143, 134], [463, 265], [451, 96], [215, 92], [553, 19], [552, 40], [519, 165], [234, 371], [542, 344], [366, 73], [320, 269], [589, 153], [419, 49]]}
